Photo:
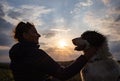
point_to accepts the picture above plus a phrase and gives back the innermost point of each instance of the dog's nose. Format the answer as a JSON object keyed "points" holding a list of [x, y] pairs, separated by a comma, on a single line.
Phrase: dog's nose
{"points": [[74, 41]]}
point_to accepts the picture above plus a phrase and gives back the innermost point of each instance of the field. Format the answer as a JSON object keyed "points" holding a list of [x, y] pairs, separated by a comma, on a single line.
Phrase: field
{"points": [[5, 72], [6, 75]]}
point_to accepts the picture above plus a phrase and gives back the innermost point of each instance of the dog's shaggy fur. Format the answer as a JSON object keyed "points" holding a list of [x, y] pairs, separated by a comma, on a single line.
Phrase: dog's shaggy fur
{"points": [[102, 66]]}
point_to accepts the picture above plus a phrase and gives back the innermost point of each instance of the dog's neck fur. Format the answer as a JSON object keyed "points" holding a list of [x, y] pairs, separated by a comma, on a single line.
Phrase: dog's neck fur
{"points": [[102, 53]]}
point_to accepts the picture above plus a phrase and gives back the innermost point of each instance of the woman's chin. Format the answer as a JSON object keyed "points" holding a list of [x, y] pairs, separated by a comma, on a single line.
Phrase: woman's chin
{"points": [[36, 42]]}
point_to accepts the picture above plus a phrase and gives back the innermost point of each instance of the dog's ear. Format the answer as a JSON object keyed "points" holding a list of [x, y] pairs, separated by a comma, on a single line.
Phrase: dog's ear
{"points": [[94, 38]]}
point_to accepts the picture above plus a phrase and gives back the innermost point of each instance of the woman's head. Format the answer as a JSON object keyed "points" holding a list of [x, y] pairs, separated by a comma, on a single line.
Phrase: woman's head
{"points": [[27, 32]]}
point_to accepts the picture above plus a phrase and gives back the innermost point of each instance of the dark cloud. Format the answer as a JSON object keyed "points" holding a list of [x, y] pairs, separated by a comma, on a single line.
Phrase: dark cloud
{"points": [[4, 25], [42, 43], [49, 34], [115, 6], [117, 19], [1, 11], [14, 14], [5, 36], [11, 12], [115, 27], [115, 3], [5, 28], [5, 39], [4, 52], [117, 9], [115, 47]]}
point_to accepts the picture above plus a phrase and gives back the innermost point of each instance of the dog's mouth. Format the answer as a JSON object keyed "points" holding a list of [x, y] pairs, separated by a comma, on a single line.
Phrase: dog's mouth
{"points": [[79, 48]]}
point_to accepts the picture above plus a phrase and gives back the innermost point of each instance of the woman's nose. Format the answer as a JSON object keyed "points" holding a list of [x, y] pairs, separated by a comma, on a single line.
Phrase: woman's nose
{"points": [[39, 35]]}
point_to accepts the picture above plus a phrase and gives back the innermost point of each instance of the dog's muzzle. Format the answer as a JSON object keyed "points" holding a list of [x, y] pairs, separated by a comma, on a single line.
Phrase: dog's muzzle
{"points": [[80, 44]]}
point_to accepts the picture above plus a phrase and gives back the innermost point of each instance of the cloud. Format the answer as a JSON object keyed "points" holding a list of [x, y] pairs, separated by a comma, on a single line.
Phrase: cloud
{"points": [[117, 19], [42, 43], [108, 24], [59, 20], [49, 34], [1, 11], [55, 26], [5, 29], [80, 5], [4, 10], [5, 40], [5, 34], [59, 27], [31, 13], [105, 25], [4, 54], [117, 12], [85, 4], [60, 30], [108, 27], [114, 48], [4, 25], [10, 16], [4, 47], [106, 2]]}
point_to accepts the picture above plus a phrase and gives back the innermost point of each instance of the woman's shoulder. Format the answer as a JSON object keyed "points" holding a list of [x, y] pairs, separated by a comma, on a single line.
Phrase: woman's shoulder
{"points": [[15, 46], [41, 51]]}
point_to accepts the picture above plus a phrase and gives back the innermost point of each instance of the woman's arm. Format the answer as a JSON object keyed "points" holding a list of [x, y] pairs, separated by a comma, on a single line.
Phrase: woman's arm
{"points": [[53, 68], [71, 70]]}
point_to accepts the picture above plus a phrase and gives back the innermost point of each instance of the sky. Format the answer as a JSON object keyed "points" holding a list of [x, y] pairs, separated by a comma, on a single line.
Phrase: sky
{"points": [[58, 22]]}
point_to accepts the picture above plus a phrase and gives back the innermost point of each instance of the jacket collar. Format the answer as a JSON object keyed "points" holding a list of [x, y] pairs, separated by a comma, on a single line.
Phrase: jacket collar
{"points": [[29, 44]]}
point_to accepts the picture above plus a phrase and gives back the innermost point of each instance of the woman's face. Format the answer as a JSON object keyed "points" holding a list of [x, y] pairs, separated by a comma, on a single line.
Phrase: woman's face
{"points": [[32, 35]]}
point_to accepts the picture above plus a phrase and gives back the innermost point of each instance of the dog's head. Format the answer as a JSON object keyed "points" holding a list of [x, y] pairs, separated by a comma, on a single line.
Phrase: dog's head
{"points": [[89, 39]]}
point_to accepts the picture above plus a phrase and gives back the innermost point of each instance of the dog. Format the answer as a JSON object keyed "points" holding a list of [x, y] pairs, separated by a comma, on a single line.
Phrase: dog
{"points": [[102, 66]]}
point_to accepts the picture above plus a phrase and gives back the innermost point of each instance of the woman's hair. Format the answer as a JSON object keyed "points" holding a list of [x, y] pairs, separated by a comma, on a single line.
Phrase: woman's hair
{"points": [[94, 38], [20, 29]]}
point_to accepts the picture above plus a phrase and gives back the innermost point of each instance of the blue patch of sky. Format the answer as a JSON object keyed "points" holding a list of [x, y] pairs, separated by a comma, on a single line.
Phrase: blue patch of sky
{"points": [[17, 3], [48, 3], [62, 7], [115, 3], [98, 8], [61, 10]]}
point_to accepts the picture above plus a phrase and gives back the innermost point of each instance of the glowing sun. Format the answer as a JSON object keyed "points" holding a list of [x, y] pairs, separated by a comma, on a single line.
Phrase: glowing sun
{"points": [[62, 44]]}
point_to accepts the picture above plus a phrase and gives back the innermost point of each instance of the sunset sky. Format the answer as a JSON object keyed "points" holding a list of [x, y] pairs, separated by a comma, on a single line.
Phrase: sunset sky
{"points": [[58, 22]]}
